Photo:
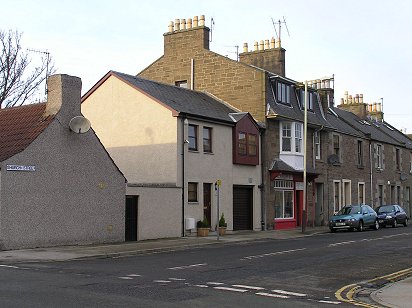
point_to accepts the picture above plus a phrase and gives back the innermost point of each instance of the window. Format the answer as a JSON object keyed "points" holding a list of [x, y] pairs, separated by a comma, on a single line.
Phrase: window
{"points": [[242, 144], [398, 159], [247, 144], [361, 193], [286, 137], [410, 162], [298, 137], [316, 140], [380, 192], [360, 153], [379, 156], [284, 204], [207, 139], [309, 99], [336, 194], [252, 144], [283, 93], [289, 144], [192, 192], [336, 145], [181, 84], [193, 137]]}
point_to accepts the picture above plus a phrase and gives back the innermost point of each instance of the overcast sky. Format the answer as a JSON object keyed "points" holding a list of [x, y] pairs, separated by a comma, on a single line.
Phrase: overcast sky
{"points": [[366, 44]]}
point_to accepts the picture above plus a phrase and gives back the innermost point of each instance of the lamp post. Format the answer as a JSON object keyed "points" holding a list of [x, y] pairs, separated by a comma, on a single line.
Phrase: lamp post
{"points": [[305, 130]]}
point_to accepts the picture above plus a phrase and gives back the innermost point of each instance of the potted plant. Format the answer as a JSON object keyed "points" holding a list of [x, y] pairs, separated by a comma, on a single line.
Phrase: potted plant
{"points": [[203, 227], [222, 225]]}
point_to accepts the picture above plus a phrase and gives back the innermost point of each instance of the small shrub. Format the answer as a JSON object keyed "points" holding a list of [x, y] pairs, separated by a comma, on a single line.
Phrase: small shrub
{"points": [[222, 221]]}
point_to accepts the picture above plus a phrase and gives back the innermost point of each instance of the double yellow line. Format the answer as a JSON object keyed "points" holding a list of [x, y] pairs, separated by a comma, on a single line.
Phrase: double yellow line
{"points": [[346, 293]]}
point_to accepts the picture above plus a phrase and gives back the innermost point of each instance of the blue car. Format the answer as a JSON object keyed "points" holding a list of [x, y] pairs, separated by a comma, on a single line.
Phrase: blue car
{"points": [[391, 215], [352, 217]]}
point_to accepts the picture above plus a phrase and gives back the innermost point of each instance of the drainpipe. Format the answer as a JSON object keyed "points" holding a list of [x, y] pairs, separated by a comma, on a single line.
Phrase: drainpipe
{"points": [[184, 142], [192, 74], [262, 185], [371, 170]]}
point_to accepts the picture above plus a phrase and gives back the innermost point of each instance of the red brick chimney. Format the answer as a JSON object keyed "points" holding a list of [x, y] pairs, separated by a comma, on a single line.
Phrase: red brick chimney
{"points": [[186, 34], [266, 55]]}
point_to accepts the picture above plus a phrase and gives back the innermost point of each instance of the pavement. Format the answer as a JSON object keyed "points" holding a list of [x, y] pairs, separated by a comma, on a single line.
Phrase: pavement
{"points": [[396, 294]]}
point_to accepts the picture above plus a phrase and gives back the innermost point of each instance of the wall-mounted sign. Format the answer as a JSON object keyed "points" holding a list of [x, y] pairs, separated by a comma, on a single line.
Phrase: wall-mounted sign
{"points": [[299, 186], [20, 168]]}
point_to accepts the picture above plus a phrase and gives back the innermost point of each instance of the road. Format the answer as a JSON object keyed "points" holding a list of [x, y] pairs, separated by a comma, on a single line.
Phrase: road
{"points": [[302, 272]]}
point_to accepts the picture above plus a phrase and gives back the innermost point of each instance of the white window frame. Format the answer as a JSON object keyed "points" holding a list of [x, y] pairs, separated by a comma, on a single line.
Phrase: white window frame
{"points": [[283, 93], [298, 137], [359, 152], [337, 207], [293, 137], [316, 141], [361, 192], [379, 160], [283, 204]]}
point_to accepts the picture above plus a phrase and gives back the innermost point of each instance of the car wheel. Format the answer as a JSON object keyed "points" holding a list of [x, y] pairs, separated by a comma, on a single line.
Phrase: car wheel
{"points": [[376, 226], [394, 223], [360, 228], [332, 230], [405, 224]]}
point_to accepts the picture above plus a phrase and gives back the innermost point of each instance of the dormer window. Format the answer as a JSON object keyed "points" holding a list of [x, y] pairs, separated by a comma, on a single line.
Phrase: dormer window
{"points": [[283, 93], [310, 99]]}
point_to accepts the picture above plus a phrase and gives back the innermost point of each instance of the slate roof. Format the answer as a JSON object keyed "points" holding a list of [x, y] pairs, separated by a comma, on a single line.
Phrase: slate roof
{"points": [[395, 134], [294, 111], [366, 127], [20, 126], [341, 126], [280, 165], [189, 102]]}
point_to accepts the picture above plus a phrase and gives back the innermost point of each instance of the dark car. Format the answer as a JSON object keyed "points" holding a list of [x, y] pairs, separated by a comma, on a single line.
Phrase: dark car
{"points": [[352, 217], [391, 215]]}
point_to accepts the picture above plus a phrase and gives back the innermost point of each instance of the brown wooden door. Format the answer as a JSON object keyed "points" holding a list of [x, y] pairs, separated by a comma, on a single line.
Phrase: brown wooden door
{"points": [[207, 201]]}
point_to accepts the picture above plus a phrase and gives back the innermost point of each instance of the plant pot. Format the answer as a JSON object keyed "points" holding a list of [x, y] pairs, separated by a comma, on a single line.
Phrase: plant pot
{"points": [[222, 230], [202, 231]]}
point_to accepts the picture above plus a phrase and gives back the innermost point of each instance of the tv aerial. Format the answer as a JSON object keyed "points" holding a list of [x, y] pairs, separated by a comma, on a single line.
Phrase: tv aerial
{"points": [[279, 25], [79, 125]]}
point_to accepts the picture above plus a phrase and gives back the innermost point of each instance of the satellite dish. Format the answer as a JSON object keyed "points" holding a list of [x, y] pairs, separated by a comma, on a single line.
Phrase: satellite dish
{"points": [[333, 159], [79, 125]]}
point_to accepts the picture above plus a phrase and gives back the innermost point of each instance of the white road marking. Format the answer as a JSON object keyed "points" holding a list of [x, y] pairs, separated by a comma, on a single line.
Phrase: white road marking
{"points": [[247, 287], [271, 254], [214, 283], [231, 289], [329, 302], [201, 286], [9, 266], [125, 278], [162, 281], [289, 293], [134, 275], [187, 266], [341, 243], [271, 295], [177, 279]]}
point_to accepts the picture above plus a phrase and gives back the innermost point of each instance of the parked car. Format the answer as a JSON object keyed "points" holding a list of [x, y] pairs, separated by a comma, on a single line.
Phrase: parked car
{"points": [[391, 215], [352, 217]]}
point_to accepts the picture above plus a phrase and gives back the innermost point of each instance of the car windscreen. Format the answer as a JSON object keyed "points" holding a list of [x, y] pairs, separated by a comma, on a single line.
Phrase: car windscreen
{"points": [[385, 209], [350, 210]]}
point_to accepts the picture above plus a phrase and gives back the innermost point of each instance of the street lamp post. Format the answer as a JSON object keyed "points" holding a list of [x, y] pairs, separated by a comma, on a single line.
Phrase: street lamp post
{"points": [[305, 130]]}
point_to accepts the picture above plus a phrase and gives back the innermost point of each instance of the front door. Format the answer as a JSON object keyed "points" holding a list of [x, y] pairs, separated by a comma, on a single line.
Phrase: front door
{"points": [[131, 218], [207, 201]]}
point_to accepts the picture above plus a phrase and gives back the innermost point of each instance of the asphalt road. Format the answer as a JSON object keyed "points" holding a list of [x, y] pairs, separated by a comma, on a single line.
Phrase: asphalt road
{"points": [[302, 272]]}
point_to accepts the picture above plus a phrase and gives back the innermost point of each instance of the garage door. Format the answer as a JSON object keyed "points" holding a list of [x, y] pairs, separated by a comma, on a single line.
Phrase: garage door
{"points": [[242, 208]]}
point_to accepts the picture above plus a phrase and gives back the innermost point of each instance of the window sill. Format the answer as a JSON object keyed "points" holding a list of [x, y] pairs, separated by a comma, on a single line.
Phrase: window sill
{"points": [[193, 151], [209, 153], [193, 202], [361, 167]]}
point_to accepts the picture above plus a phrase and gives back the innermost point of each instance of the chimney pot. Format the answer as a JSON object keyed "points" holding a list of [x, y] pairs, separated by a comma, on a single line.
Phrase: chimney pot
{"points": [[374, 106], [342, 101], [177, 24], [272, 43], [245, 47], [170, 27], [278, 44], [256, 46], [202, 20], [189, 23], [183, 24], [361, 98], [261, 45], [318, 84], [195, 21], [379, 107], [267, 44]]}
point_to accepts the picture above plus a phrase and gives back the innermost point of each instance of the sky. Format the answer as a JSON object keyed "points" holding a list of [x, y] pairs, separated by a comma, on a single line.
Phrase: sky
{"points": [[365, 44]]}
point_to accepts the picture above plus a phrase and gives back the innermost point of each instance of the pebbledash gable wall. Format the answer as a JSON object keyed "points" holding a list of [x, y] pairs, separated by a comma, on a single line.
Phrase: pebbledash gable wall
{"points": [[240, 84]]}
